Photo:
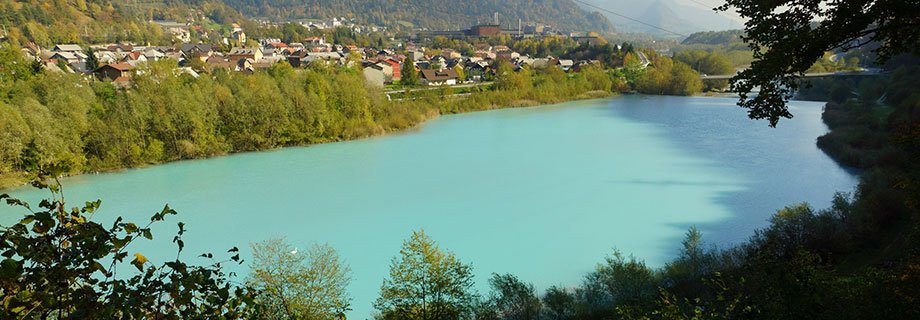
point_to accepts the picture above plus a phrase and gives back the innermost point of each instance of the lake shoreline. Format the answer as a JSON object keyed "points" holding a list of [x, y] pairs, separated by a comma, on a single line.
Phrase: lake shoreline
{"points": [[19, 179]]}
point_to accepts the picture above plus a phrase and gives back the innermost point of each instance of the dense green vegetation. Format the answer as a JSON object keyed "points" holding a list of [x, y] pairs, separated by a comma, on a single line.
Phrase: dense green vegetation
{"points": [[166, 116], [47, 23], [706, 62], [106, 21], [669, 77], [714, 37], [827, 63], [710, 63], [864, 113], [729, 44], [441, 14]]}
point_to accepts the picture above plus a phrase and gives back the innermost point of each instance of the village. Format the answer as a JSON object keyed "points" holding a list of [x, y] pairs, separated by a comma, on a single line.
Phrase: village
{"points": [[382, 67]]}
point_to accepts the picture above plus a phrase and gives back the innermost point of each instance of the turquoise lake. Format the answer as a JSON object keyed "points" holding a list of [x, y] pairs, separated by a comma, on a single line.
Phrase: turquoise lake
{"points": [[544, 193]]}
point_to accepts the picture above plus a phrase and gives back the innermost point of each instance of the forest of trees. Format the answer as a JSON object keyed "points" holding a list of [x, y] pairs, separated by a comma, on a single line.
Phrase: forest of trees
{"points": [[113, 21], [104, 21], [668, 77], [714, 37], [441, 14], [167, 116], [727, 43]]}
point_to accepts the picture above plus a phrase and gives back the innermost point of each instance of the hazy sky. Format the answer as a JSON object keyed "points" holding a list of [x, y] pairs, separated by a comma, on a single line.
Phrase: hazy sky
{"points": [[685, 15]]}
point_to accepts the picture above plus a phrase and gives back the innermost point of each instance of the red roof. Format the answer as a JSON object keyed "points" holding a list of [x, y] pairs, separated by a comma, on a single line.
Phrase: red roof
{"points": [[278, 44], [134, 55], [119, 66]]}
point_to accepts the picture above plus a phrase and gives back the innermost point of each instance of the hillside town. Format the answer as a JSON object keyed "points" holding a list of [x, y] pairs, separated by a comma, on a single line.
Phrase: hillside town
{"points": [[119, 62]]}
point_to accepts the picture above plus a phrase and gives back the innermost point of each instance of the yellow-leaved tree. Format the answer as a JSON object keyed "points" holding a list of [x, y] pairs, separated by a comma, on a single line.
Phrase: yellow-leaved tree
{"points": [[299, 285]]}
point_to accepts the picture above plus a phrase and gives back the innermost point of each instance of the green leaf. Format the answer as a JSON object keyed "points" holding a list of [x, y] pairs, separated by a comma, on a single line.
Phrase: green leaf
{"points": [[97, 266], [162, 214], [17, 202], [28, 219], [119, 243], [10, 269], [130, 227], [91, 207], [42, 226], [148, 234]]}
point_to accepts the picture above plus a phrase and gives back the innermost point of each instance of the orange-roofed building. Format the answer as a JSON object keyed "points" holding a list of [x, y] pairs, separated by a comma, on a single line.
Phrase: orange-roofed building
{"points": [[396, 68]]}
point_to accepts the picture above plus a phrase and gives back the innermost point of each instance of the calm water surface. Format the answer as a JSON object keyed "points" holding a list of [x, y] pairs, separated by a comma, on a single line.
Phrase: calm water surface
{"points": [[544, 192]]}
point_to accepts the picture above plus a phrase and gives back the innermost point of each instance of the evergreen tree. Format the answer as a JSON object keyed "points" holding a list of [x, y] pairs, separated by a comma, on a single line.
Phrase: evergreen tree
{"points": [[409, 74], [92, 62]]}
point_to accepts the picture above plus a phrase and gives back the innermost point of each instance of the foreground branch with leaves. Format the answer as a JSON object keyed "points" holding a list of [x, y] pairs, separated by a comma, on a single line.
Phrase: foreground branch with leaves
{"points": [[787, 40], [58, 263]]}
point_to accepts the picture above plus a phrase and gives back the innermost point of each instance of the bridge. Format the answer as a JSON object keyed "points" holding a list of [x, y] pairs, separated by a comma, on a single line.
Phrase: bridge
{"points": [[807, 75]]}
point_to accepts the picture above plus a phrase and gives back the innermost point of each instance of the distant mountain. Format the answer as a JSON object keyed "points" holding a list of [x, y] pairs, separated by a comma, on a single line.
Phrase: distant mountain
{"points": [[681, 16], [99, 21], [663, 16], [432, 14]]}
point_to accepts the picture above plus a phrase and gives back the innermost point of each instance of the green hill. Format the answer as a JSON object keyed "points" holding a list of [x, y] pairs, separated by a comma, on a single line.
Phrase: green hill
{"points": [[99, 21], [715, 37], [432, 14]]}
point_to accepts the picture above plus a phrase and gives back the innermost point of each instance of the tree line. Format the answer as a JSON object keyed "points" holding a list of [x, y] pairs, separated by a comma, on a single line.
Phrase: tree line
{"points": [[167, 116], [48, 23], [433, 15]]}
